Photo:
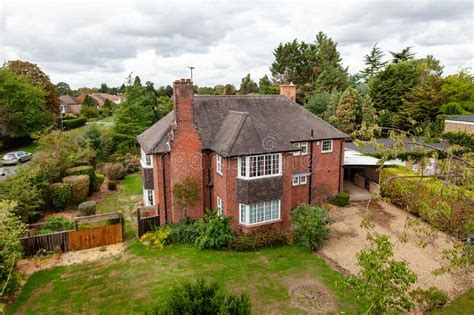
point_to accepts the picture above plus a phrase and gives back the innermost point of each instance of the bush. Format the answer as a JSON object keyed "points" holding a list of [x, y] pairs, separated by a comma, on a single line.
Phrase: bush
{"points": [[184, 232], [203, 298], [99, 180], [74, 123], [341, 199], [157, 237], [460, 138], [113, 171], [60, 195], [56, 224], [87, 208], [112, 185], [430, 299], [266, 236], [130, 162], [84, 170], [79, 187], [68, 116], [213, 231], [310, 225]]}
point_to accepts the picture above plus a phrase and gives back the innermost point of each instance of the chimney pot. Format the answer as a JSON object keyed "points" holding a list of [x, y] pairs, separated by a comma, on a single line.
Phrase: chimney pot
{"points": [[288, 90]]}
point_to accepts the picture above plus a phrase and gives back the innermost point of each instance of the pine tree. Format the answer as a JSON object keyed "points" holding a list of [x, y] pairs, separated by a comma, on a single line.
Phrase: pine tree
{"points": [[369, 114], [265, 86], [248, 86], [404, 55], [374, 63], [88, 108], [346, 111]]}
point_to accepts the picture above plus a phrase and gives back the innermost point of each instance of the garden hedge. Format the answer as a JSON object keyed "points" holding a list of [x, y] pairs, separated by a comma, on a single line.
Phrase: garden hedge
{"points": [[87, 208], [341, 199], [60, 195], [99, 179], [79, 187], [74, 123], [84, 170], [447, 208]]}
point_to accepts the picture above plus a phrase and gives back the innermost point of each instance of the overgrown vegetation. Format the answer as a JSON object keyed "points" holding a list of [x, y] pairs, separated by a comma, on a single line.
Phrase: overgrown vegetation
{"points": [[213, 231], [56, 224], [263, 237], [310, 225], [341, 199]]}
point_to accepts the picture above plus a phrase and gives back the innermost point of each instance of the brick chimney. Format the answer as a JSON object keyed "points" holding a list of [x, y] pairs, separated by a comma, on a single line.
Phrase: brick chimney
{"points": [[288, 90], [183, 95]]}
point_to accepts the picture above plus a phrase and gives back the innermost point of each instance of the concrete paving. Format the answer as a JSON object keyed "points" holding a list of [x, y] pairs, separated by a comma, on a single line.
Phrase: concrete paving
{"points": [[357, 193]]}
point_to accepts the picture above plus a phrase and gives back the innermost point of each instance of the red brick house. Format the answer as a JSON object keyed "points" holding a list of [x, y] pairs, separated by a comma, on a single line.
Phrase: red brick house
{"points": [[255, 157]]}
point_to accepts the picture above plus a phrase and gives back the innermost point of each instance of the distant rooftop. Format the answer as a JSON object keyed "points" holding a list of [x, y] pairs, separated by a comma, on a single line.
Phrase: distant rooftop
{"points": [[462, 118], [409, 146]]}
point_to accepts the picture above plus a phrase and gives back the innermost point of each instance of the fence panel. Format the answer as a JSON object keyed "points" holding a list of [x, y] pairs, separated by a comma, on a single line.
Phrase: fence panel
{"points": [[147, 224], [50, 242], [95, 237]]}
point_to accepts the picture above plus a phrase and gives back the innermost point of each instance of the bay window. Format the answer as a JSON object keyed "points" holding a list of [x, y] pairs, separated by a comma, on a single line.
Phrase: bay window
{"points": [[256, 166], [261, 212]]}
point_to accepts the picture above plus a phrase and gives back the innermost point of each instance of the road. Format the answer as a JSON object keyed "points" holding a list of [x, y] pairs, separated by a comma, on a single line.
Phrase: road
{"points": [[10, 169]]}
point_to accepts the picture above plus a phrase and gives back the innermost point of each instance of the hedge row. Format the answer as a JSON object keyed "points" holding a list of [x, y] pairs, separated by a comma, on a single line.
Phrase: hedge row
{"points": [[84, 170], [447, 208], [74, 123], [79, 187]]}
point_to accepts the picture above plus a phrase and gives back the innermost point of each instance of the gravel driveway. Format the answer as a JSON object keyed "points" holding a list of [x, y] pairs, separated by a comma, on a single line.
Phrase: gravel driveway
{"points": [[348, 238]]}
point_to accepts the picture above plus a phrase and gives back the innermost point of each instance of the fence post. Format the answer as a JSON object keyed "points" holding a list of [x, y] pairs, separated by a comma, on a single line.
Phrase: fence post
{"points": [[123, 227], [138, 221]]}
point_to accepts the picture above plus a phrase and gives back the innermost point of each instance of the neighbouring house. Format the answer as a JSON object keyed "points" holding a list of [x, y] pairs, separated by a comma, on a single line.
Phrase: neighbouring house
{"points": [[99, 98], [69, 104], [459, 123], [254, 157]]}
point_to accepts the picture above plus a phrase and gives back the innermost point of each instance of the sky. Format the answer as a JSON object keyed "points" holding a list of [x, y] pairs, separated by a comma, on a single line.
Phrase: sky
{"points": [[88, 42]]}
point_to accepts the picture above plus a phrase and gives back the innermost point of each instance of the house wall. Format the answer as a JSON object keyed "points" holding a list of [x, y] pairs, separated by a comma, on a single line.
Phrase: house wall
{"points": [[458, 127], [74, 108]]}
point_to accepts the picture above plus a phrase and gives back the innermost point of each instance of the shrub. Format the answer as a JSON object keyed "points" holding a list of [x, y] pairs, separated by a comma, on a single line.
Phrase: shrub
{"points": [[157, 237], [99, 180], [74, 123], [60, 195], [430, 299], [186, 193], [184, 232], [84, 170], [113, 171], [460, 138], [56, 224], [213, 231], [341, 199], [266, 236], [68, 116], [79, 187], [130, 162], [203, 298], [310, 225], [112, 185], [87, 208]]}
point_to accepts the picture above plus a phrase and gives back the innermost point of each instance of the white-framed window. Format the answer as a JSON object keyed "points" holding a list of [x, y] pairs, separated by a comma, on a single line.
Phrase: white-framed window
{"points": [[261, 212], [303, 148], [326, 146], [299, 180], [219, 164], [146, 160], [149, 197], [220, 206], [256, 166]]}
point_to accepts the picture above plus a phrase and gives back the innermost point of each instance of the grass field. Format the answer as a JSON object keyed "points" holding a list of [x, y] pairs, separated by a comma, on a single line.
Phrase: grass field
{"points": [[278, 281], [462, 305]]}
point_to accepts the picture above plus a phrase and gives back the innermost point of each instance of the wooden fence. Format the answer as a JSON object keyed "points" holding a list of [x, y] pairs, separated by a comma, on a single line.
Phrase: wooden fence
{"points": [[82, 238], [146, 224]]}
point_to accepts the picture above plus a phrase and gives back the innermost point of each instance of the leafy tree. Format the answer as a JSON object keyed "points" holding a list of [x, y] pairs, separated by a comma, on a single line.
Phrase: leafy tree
{"points": [[165, 105], [108, 105], [88, 108], [266, 86], [373, 62], [310, 225], [369, 114], [290, 64], [122, 88], [229, 89], [346, 111], [99, 139], [318, 103], [248, 86], [432, 65], [460, 90], [62, 88], [22, 106], [205, 90], [404, 55], [37, 77], [104, 88], [137, 81], [165, 91], [186, 193]]}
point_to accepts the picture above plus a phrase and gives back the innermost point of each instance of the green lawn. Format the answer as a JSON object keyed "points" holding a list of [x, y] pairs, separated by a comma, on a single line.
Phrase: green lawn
{"points": [[108, 119], [464, 304], [32, 148], [278, 280]]}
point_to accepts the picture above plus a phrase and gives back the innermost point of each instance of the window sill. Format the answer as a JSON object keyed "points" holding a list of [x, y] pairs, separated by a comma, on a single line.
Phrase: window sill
{"points": [[323, 152], [260, 177], [259, 224], [145, 166]]}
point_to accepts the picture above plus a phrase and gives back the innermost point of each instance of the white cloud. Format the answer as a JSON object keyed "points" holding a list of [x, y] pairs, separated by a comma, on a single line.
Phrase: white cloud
{"points": [[89, 42]]}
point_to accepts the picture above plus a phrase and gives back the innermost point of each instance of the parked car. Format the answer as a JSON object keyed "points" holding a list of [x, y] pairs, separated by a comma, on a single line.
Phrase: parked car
{"points": [[2, 171], [17, 157]]}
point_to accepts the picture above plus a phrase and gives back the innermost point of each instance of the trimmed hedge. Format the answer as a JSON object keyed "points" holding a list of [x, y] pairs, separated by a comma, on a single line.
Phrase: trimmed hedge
{"points": [[99, 180], [114, 171], [79, 187], [341, 199], [265, 236], [60, 195], [451, 214], [84, 170], [74, 123], [87, 208]]}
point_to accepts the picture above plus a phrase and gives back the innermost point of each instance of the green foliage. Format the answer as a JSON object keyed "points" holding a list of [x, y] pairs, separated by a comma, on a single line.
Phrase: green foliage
{"points": [[460, 90], [186, 193], [62, 88], [248, 86], [460, 138], [100, 139], [310, 225], [156, 238], [373, 62], [184, 232], [99, 179], [69, 124], [263, 237], [79, 187], [87, 208], [341, 199], [84, 170], [431, 299], [346, 111], [56, 224], [203, 298], [318, 103], [265, 86], [11, 228], [213, 231], [369, 114], [130, 162], [22, 105], [89, 108], [60, 195], [113, 171], [382, 281], [404, 55]]}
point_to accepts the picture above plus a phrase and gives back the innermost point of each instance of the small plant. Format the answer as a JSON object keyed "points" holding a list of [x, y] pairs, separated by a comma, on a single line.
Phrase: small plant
{"points": [[430, 299], [341, 199], [112, 185], [113, 171], [186, 193], [99, 179], [184, 232], [310, 225], [204, 298], [60, 195], [213, 231], [267, 236], [56, 224], [79, 187], [87, 208], [157, 237]]}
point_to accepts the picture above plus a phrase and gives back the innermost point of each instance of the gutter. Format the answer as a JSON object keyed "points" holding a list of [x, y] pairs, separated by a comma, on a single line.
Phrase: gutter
{"points": [[164, 187]]}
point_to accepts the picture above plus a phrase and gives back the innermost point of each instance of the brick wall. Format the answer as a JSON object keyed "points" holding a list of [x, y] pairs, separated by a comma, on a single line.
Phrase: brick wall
{"points": [[458, 127]]}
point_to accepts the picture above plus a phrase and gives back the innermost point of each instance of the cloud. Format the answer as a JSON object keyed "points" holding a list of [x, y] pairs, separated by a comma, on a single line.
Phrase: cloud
{"points": [[86, 43]]}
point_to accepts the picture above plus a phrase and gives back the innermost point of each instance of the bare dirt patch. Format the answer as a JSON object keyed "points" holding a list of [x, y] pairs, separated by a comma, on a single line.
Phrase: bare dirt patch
{"points": [[348, 238]]}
